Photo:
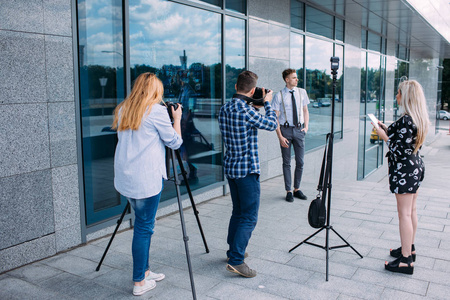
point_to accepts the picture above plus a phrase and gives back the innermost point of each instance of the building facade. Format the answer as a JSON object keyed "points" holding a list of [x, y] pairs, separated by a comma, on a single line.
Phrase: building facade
{"points": [[65, 65]]}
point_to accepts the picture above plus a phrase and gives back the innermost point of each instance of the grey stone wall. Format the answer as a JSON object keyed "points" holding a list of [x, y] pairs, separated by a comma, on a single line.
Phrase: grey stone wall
{"points": [[39, 197], [269, 41]]}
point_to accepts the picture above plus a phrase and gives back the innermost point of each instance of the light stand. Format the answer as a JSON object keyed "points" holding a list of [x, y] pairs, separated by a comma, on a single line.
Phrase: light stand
{"points": [[327, 180], [171, 154]]}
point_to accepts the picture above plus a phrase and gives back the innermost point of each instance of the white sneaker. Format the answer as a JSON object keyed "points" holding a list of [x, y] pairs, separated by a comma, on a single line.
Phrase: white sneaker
{"points": [[155, 276], [140, 290]]}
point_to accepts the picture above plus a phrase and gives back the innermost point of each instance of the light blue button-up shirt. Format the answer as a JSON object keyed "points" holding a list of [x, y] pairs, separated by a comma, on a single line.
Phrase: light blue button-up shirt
{"points": [[139, 161], [286, 112]]}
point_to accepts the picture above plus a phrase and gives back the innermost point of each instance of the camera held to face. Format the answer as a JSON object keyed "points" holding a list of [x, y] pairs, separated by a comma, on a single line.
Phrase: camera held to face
{"points": [[258, 95], [169, 106]]}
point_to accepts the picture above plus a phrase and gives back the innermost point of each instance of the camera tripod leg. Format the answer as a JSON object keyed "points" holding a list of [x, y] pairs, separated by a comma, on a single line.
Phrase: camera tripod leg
{"points": [[183, 226], [305, 240], [127, 207], [346, 242], [191, 198]]}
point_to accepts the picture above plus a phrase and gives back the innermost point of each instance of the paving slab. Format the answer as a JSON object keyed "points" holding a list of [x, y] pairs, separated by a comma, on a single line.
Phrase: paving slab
{"points": [[363, 212]]}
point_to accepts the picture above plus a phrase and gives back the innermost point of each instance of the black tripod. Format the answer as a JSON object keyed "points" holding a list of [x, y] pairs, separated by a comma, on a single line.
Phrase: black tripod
{"points": [[170, 154], [327, 166]]}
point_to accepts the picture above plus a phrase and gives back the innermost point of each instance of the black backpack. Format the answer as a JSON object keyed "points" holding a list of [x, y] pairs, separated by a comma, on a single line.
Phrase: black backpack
{"points": [[317, 211]]}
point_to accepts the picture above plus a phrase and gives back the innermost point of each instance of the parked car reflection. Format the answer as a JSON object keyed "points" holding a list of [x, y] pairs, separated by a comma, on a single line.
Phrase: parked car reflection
{"points": [[444, 115], [322, 102]]}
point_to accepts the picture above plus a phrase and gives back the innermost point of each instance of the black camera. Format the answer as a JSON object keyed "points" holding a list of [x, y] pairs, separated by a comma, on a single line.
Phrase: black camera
{"points": [[169, 106], [256, 100], [258, 95]]}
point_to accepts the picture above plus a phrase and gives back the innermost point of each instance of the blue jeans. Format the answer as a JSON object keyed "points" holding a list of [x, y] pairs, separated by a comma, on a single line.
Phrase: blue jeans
{"points": [[145, 212], [245, 197]]}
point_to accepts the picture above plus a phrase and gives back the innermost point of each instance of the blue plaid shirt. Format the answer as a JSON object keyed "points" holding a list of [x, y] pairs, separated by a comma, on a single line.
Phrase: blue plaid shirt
{"points": [[239, 124]]}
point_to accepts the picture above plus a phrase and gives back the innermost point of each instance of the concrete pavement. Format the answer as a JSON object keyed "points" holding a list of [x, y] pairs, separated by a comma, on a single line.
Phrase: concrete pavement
{"points": [[363, 212]]}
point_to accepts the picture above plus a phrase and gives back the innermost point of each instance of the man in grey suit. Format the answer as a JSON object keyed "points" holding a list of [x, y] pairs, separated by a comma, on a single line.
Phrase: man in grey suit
{"points": [[291, 107]]}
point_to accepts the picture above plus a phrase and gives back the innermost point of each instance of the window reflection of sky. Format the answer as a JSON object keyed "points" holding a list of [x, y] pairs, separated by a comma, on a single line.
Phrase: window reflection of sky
{"points": [[235, 42], [100, 22], [317, 54], [161, 30]]}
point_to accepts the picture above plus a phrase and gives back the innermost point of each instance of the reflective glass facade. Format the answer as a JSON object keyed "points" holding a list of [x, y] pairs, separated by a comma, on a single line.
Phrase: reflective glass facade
{"points": [[186, 47], [198, 63]]}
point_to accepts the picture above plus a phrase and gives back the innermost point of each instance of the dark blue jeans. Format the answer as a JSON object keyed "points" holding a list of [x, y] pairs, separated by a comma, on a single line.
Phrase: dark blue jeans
{"points": [[245, 194]]}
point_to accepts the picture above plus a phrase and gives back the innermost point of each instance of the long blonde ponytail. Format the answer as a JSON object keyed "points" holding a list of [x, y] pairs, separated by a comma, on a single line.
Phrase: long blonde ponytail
{"points": [[147, 91]]}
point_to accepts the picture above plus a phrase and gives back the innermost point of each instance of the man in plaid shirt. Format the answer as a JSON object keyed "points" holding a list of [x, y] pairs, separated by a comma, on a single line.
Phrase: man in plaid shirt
{"points": [[239, 122]]}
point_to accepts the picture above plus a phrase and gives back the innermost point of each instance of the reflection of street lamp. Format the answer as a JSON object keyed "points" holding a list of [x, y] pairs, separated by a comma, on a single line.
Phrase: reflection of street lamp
{"points": [[103, 81]]}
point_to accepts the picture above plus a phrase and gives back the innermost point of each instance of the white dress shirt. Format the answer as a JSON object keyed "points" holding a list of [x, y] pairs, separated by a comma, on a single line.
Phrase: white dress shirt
{"points": [[286, 112], [139, 161]]}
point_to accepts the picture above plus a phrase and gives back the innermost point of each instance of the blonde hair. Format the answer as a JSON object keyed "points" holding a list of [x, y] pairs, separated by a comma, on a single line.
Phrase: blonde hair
{"points": [[147, 91], [415, 105]]}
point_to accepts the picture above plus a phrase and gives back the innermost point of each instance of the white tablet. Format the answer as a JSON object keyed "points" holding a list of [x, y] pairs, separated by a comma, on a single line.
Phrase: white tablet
{"points": [[374, 120]]}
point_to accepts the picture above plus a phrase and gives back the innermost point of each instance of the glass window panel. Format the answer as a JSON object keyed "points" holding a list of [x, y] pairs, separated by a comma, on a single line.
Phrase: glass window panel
{"points": [[101, 88], [364, 17], [362, 107], [402, 52], [340, 7], [372, 101], [373, 42], [374, 22], [371, 159], [383, 45], [237, 5], [234, 52], [210, 2], [373, 91], [182, 45], [319, 88], [297, 56], [364, 39], [319, 23], [338, 111], [361, 152], [297, 14], [401, 70], [328, 4], [339, 30]]}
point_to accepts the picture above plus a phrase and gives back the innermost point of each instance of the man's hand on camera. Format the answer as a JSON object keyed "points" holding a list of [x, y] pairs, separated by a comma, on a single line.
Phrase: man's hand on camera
{"points": [[267, 97], [176, 113]]}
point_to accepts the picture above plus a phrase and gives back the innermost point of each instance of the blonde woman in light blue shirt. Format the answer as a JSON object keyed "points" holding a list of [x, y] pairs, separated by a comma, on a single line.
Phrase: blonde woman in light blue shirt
{"points": [[144, 129]]}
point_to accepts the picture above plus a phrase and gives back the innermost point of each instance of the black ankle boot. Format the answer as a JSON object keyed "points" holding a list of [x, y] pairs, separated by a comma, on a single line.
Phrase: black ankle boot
{"points": [[394, 266], [398, 252]]}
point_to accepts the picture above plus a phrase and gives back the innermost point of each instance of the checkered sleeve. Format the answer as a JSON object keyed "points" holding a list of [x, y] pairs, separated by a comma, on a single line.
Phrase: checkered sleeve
{"points": [[267, 122]]}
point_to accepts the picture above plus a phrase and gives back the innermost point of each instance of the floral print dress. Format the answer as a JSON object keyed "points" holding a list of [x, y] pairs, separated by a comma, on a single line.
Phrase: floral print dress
{"points": [[406, 170]]}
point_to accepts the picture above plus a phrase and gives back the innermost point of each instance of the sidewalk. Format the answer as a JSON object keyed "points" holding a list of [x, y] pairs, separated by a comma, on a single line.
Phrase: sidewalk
{"points": [[364, 213]]}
